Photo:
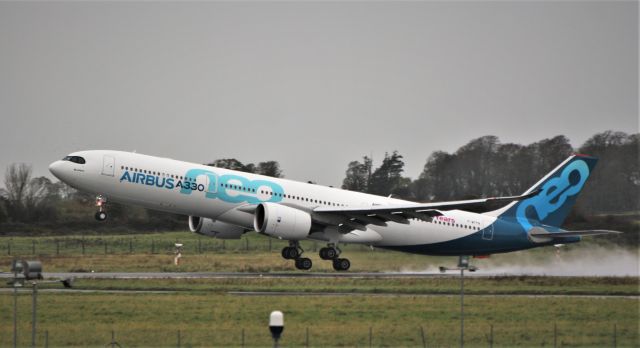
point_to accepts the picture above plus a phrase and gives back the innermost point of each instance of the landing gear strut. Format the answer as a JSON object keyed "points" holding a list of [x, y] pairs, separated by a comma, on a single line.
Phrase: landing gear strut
{"points": [[293, 252], [331, 252], [101, 214]]}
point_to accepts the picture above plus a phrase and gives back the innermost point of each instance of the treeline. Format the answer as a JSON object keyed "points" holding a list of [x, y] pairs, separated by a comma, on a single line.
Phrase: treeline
{"points": [[483, 167]]}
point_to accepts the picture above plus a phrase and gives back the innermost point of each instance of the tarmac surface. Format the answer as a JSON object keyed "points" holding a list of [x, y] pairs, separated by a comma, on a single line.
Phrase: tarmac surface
{"points": [[27, 290], [226, 275]]}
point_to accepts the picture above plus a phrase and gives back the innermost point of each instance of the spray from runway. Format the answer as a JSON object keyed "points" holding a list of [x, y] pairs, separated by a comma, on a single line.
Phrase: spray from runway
{"points": [[593, 261]]}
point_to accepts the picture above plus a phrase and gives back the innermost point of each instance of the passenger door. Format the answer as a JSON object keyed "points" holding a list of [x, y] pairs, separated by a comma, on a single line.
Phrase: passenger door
{"points": [[108, 165]]}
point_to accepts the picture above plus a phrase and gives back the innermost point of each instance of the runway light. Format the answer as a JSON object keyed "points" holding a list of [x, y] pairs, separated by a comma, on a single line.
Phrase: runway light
{"points": [[276, 326]]}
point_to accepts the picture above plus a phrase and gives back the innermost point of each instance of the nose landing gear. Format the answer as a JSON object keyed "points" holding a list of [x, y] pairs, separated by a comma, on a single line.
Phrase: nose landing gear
{"points": [[101, 214], [331, 252], [294, 252]]}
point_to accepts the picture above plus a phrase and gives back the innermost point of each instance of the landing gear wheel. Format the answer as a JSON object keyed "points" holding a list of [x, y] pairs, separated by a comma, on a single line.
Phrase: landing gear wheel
{"points": [[341, 264], [290, 253], [328, 253], [101, 215], [303, 263]]}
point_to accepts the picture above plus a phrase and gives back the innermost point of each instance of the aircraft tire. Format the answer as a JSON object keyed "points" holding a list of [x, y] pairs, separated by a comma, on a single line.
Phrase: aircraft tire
{"points": [[101, 215], [290, 253], [304, 263], [341, 264], [331, 254], [323, 253]]}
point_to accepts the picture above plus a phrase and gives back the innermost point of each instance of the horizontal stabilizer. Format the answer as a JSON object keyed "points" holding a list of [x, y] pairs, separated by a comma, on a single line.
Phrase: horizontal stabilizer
{"points": [[571, 233], [538, 234]]}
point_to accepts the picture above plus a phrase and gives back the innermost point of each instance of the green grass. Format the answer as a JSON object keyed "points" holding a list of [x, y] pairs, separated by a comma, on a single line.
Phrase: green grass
{"points": [[217, 319], [207, 315]]}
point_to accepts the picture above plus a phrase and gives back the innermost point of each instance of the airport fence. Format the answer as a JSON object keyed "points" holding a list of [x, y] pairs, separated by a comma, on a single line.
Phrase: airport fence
{"points": [[314, 336]]}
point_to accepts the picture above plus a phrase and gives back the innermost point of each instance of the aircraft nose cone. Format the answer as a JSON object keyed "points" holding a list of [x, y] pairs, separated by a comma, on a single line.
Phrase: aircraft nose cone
{"points": [[56, 169]]}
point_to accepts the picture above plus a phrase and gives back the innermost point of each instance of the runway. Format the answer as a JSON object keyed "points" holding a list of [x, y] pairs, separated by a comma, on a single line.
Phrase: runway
{"points": [[228, 275], [27, 290], [257, 275]]}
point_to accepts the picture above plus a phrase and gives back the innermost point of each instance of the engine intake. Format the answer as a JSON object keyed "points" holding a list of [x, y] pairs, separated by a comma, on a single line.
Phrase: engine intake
{"points": [[282, 221], [215, 229]]}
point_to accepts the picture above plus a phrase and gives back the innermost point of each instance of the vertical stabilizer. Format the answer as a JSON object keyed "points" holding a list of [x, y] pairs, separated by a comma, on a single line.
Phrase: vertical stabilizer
{"points": [[558, 193]]}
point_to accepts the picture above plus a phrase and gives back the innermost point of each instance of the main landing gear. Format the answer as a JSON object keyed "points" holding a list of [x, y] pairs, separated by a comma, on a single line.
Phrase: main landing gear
{"points": [[331, 252], [294, 252], [101, 214]]}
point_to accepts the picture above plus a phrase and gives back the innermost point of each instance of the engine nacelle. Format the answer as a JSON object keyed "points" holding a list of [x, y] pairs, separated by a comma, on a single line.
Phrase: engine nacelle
{"points": [[282, 221], [215, 229]]}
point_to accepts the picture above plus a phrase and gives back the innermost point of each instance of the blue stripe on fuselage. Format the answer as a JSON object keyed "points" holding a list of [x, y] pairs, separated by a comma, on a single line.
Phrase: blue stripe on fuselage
{"points": [[507, 236]]}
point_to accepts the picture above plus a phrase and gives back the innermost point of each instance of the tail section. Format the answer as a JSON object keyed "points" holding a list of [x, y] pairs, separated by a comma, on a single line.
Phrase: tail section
{"points": [[558, 193]]}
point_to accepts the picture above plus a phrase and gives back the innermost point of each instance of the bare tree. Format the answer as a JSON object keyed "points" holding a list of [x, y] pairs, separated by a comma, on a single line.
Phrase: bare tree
{"points": [[16, 183]]}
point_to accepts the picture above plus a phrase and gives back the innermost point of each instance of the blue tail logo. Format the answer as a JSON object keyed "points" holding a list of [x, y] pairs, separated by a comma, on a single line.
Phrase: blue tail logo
{"points": [[557, 194]]}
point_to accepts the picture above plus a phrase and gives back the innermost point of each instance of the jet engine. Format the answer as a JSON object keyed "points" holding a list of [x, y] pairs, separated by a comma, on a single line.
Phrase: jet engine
{"points": [[215, 229], [282, 221]]}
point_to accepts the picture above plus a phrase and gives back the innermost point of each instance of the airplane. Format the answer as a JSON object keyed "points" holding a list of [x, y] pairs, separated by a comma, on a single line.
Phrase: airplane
{"points": [[225, 204]]}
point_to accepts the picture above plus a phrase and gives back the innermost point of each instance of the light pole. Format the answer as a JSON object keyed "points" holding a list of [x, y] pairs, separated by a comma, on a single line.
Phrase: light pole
{"points": [[463, 264], [34, 305]]}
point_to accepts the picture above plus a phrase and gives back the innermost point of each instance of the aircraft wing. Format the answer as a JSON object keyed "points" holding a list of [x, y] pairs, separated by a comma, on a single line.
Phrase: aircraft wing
{"points": [[350, 218]]}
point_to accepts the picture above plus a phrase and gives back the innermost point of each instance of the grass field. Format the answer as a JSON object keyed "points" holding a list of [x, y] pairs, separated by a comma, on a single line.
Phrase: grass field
{"points": [[395, 310], [217, 319]]}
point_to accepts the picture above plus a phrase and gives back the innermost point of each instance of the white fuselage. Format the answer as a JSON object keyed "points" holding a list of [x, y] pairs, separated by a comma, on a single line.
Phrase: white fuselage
{"points": [[165, 184]]}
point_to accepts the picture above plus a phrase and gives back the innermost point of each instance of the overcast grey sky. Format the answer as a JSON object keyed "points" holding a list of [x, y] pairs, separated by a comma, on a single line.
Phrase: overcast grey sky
{"points": [[311, 85]]}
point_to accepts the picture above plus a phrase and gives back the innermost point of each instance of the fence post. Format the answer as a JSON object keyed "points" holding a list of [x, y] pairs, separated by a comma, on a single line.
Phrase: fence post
{"points": [[424, 340], [246, 243], [153, 246], [490, 335], [9, 248]]}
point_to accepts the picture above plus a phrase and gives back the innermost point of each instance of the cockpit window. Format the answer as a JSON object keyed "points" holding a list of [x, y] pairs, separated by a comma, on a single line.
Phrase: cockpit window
{"points": [[75, 159]]}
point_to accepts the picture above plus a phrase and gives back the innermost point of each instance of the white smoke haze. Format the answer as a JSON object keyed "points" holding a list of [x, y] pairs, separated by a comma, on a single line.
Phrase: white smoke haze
{"points": [[586, 261]]}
